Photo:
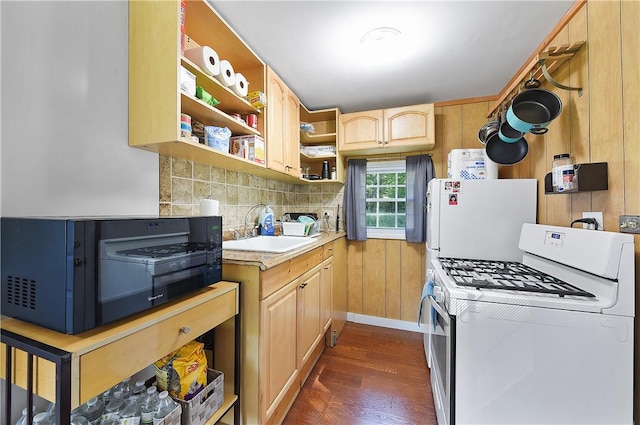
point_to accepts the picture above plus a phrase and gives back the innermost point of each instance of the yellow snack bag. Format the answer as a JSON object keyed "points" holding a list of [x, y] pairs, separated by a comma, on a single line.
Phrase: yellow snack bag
{"points": [[184, 372]]}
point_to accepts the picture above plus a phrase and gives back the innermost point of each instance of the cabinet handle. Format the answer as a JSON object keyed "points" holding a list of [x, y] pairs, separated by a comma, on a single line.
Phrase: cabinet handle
{"points": [[326, 268], [330, 249], [287, 167], [380, 142], [303, 285], [185, 329]]}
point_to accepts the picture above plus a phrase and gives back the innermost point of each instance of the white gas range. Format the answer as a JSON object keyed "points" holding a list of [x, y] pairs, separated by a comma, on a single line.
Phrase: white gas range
{"points": [[548, 340]]}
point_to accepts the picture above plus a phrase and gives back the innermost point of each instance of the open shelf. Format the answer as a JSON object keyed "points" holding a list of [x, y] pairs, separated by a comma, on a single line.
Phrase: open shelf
{"points": [[318, 138], [590, 177]]}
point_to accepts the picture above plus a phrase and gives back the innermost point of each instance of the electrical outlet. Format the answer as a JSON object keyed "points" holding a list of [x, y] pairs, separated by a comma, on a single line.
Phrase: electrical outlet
{"points": [[630, 223], [599, 218]]}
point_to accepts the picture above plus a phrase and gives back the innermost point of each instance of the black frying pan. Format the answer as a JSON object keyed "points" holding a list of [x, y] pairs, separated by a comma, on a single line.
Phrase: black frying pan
{"points": [[504, 153]]}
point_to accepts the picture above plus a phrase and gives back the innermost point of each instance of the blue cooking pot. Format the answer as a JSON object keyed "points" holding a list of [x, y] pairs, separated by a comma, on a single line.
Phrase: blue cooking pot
{"points": [[532, 110], [509, 134]]}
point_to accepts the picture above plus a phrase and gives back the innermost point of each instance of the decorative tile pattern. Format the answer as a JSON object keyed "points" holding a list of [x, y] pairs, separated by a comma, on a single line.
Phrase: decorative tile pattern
{"points": [[184, 183]]}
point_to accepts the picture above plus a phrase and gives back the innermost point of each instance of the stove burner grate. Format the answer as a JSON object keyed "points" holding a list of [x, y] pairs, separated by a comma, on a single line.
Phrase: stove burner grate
{"points": [[506, 275]]}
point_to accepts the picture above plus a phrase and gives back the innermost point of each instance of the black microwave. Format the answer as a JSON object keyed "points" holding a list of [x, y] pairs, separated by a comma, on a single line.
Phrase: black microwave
{"points": [[73, 274]]}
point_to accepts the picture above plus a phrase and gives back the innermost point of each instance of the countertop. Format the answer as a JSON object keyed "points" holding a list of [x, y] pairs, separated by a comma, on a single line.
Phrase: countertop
{"points": [[266, 260]]}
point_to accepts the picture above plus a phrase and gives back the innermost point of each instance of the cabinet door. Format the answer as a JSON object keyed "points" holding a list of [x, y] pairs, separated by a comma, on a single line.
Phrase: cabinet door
{"points": [[361, 130], [410, 126], [276, 130], [308, 313], [292, 140], [326, 294], [278, 361]]}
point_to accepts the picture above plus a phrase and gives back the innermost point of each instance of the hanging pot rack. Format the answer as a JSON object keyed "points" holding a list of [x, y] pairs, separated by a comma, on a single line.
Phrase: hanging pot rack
{"points": [[540, 68]]}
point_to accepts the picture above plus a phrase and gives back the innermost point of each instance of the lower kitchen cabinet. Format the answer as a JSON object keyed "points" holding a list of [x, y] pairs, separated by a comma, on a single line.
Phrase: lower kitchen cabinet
{"points": [[326, 294], [287, 311], [278, 362], [309, 330]]}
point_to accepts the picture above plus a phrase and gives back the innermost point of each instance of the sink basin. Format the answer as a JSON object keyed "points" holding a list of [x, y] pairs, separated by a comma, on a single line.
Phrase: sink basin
{"points": [[276, 244]]}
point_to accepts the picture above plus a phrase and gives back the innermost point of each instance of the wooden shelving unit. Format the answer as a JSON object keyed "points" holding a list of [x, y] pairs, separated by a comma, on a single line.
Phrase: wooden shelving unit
{"points": [[99, 358], [325, 122]]}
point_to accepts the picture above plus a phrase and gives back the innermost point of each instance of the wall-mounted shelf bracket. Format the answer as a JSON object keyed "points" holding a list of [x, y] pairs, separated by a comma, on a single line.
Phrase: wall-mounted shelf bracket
{"points": [[553, 58], [539, 68]]}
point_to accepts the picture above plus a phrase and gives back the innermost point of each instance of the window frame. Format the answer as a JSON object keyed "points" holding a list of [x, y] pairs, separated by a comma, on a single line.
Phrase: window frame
{"points": [[381, 167]]}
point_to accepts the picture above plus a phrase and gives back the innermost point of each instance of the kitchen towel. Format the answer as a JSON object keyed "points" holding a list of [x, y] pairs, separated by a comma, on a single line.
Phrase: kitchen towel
{"points": [[206, 58], [241, 86], [227, 76], [209, 207]]}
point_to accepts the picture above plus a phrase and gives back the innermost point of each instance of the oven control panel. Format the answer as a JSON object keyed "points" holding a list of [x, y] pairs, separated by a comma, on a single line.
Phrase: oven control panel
{"points": [[554, 239]]}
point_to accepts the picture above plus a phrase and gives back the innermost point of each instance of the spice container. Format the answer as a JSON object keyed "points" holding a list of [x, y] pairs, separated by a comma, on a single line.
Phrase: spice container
{"points": [[562, 173]]}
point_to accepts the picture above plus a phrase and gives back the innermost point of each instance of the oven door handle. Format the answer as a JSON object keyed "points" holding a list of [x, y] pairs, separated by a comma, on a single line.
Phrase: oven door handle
{"points": [[439, 310]]}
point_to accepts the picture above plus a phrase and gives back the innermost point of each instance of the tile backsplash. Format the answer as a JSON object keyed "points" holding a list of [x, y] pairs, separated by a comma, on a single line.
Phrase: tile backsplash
{"points": [[184, 183]]}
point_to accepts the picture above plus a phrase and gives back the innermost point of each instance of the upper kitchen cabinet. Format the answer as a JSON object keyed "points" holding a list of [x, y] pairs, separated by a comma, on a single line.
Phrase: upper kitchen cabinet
{"points": [[282, 112], [394, 130], [319, 143], [156, 100]]}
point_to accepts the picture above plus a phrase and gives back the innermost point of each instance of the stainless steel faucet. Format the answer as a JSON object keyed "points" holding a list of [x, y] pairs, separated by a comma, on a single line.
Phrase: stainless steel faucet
{"points": [[246, 217]]}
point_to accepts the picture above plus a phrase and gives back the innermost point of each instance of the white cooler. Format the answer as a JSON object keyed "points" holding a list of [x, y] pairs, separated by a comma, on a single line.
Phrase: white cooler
{"points": [[470, 164]]}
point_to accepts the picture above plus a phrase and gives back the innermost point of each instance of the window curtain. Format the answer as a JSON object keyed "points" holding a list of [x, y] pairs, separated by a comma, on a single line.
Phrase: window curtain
{"points": [[355, 200], [419, 171]]}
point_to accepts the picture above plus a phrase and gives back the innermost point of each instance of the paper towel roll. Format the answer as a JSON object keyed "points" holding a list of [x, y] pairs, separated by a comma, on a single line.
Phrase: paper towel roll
{"points": [[226, 76], [206, 58], [209, 207], [241, 86]]}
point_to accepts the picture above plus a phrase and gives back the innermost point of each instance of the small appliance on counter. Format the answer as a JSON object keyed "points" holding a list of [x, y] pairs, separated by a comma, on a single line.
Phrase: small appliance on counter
{"points": [[72, 274]]}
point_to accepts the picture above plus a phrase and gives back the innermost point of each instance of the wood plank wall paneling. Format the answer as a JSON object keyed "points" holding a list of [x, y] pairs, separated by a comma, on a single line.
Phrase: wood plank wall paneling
{"points": [[373, 278], [393, 287], [354, 276], [605, 101], [389, 288], [579, 108]]}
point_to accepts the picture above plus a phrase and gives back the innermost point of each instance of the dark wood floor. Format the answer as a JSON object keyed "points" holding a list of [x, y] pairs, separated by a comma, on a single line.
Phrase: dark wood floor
{"points": [[373, 375]]}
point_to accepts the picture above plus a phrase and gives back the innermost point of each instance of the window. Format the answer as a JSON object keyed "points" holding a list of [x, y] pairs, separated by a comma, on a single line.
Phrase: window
{"points": [[386, 199]]}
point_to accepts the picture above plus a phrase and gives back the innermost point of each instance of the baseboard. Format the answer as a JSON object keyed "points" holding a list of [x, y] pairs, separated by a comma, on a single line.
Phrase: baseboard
{"points": [[384, 322]]}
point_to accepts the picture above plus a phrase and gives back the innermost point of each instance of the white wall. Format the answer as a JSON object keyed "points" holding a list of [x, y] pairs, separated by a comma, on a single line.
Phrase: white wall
{"points": [[65, 113], [64, 116]]}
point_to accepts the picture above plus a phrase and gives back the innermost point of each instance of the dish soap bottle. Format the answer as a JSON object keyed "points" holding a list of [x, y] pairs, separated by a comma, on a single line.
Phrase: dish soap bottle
{"points": [[266, 221]]}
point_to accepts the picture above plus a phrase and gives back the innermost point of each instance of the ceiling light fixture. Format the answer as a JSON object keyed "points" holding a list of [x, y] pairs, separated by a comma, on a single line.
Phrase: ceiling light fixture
{"points": [[379, 35], [382, 45]]}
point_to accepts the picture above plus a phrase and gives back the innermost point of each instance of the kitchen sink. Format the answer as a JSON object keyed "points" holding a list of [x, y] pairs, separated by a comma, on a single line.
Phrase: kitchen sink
{"points": [[275, 244]]}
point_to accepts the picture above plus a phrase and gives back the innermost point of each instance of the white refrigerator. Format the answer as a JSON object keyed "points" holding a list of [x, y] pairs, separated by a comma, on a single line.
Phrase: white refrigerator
{"points": [[479, 219], [474, 219]]}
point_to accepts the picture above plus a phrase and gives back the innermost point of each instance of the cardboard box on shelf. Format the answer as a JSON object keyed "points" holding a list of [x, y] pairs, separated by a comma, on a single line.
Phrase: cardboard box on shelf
{"points": [[248, 147], [203, 405]]}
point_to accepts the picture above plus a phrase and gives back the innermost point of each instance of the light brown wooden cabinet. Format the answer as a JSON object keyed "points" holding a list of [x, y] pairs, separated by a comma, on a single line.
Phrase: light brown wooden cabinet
{"points": [[282, 113], [394, 130], [326, 295], [287, 311], [309, 330], [278, 361]]}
